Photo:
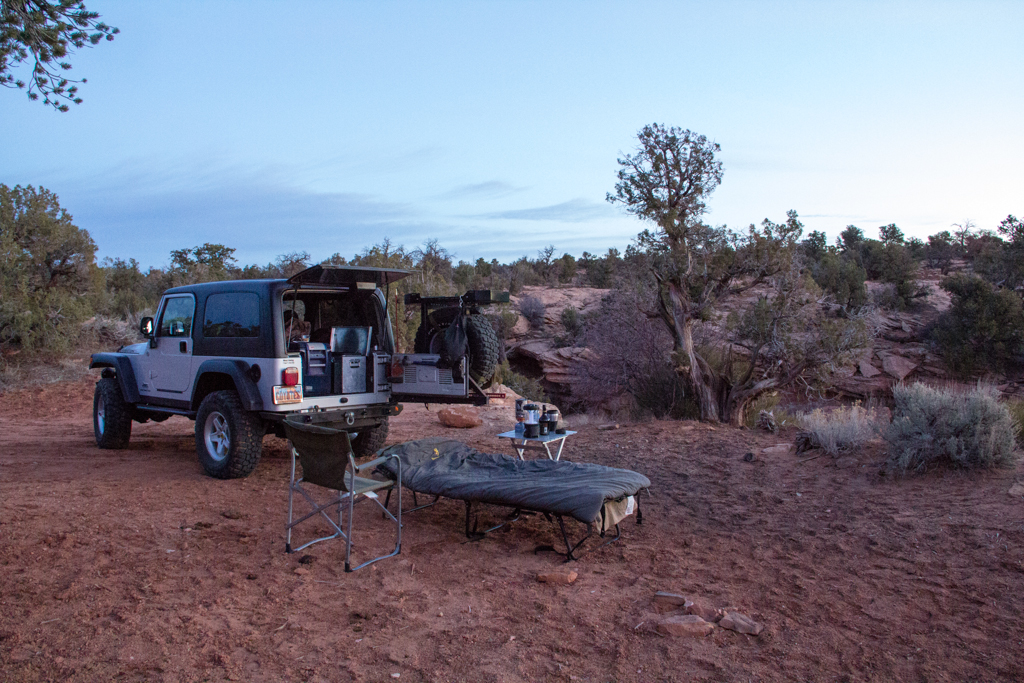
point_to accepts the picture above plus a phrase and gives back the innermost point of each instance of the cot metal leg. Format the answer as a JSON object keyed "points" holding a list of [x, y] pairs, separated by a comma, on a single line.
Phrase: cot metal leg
{"points": [[570, 549], [471, 529], [415, 502]]}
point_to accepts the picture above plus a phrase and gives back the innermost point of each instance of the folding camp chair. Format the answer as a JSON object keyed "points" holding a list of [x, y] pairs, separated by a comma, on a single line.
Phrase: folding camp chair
{"points": [[327, 461]]}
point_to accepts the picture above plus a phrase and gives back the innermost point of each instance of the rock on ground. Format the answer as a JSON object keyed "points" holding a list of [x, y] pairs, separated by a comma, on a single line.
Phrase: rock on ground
{"points": [[560, 578], [460, 417], [685, 625], [740, 623]]}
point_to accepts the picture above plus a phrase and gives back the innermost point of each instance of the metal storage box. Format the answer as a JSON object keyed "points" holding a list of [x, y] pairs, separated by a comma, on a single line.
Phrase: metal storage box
{"points": [[349, 374]]}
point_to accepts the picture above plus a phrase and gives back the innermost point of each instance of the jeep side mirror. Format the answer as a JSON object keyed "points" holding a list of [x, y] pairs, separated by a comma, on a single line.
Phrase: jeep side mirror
{"points": [[147, 329]]}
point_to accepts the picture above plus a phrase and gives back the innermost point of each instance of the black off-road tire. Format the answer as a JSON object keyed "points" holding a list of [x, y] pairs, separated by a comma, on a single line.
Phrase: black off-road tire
{"points": [[229, 439], [370, 440], [481, 338], [111, 415], [483, 348]]}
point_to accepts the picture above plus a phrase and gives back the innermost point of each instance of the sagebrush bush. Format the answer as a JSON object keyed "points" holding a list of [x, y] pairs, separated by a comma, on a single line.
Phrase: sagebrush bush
{"points": [[966, 429], [533, 310], [842, 429]]}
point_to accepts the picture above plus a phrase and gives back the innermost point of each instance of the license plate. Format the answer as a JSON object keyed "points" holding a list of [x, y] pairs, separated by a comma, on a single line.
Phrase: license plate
{"points": [[284, 395]]}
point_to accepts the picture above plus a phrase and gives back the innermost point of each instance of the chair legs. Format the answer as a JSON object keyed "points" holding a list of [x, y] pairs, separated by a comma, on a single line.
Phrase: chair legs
{"points": [[342, 526]]}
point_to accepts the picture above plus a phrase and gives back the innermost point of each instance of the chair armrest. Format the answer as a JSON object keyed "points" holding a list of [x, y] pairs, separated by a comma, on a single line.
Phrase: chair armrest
{"points": [[378, 461]]}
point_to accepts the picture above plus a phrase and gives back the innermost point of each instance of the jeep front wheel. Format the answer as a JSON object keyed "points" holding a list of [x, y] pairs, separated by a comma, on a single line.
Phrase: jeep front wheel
{"points": [[111, 415], [229, 439]]}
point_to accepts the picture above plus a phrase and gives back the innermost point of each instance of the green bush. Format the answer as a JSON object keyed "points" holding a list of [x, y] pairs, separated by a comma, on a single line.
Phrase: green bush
{"points": [[572, 322], [527, 387], [842, 278], [965, 429], [983, 328], [48, 275]]}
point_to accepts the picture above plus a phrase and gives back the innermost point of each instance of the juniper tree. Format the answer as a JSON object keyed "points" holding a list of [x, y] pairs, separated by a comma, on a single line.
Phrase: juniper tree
{"points": [[667, 181]]}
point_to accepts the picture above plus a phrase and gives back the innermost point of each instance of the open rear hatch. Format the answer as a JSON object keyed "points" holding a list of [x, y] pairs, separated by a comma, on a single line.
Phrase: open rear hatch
{"points": [[355, 277]]}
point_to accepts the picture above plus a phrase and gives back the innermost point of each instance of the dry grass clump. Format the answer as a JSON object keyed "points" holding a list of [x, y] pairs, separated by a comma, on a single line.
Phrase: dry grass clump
{"points": [[1016, 408], [842, 429], [112, 333], [965, 429]]}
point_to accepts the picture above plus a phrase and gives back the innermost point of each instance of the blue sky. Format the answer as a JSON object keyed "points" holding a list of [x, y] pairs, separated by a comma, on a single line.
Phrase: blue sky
{"points": [[495, 126]]}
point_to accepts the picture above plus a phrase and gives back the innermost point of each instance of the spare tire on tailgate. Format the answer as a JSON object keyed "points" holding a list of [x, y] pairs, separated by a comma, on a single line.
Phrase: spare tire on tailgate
{"points": [[480, 337]]}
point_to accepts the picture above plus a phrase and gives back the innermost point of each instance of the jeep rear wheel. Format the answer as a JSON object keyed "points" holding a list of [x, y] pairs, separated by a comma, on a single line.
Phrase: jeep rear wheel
{"points": [[229, 439], [369, 440], [111, 415]]}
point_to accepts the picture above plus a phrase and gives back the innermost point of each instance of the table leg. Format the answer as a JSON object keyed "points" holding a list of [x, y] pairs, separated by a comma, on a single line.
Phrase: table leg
{"points": [[519, 448], [561, 442]]}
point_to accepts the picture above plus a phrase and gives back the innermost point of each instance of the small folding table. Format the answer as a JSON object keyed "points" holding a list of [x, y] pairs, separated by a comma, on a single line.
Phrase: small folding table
{"points": [[522, 444]]}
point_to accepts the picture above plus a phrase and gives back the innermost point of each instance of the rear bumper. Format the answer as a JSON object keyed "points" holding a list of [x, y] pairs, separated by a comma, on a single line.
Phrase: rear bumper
{"points": [[347, 418]]}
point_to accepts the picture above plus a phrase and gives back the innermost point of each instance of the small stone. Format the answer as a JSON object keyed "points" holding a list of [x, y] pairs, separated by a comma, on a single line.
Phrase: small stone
{"points": [[704, 611], [301, 570], [396, 675], [460, 417], [666, 598], [685, 625], [231, 514], [740, 623], [561, 578], [778, 449], [1017, 489], [749, 457]]}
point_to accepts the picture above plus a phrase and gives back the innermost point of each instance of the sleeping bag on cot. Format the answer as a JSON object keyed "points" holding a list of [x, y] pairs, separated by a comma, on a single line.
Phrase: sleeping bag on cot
{"points": [[448, 468]]}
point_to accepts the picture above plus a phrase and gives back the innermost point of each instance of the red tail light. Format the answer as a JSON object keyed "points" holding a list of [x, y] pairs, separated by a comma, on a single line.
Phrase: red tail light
{"points": [[290, 377]]}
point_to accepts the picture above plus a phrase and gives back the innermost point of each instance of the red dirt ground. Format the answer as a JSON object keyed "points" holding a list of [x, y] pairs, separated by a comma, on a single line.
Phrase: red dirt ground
{"points": [[134, 566]]}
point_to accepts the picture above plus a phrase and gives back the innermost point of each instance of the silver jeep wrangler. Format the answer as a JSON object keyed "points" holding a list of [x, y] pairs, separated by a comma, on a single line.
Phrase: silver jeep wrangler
{"points": [[239, 356]]}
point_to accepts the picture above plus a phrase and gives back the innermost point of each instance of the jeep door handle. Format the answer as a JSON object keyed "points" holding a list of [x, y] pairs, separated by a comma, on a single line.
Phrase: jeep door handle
{"points": [[183, 346]]}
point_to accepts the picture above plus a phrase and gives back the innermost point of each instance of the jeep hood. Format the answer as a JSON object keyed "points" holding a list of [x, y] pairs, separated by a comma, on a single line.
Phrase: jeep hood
{"points": [[347, 276]]}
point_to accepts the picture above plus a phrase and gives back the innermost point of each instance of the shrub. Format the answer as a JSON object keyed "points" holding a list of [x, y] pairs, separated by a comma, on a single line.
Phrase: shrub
{"points": [[572, 322], [628, 365], [527, 387], [842, 278], [768, 402], [533, 310], [983, 328], [931, 427], [842, 429], [1016, 408], [47, 272]]}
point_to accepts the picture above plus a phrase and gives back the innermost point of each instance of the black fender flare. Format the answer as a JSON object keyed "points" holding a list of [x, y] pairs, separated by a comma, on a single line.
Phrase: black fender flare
{"points": [[239, 372], [122, 366]]}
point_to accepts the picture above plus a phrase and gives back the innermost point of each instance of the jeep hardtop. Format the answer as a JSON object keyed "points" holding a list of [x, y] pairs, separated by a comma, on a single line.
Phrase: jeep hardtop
{"points": [[240, 356]]}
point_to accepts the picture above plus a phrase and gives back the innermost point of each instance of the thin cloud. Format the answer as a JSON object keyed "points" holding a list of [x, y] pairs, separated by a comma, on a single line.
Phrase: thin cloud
{"points": [[572, 211], [490, 189]]}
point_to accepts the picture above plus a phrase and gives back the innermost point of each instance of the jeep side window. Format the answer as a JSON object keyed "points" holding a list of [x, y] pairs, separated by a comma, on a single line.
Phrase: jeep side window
{"points": [[176, 319], [233, 314]]}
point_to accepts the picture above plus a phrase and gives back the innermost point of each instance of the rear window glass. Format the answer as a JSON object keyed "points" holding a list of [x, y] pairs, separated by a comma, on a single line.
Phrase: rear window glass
{"points": [[232, 315]]}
